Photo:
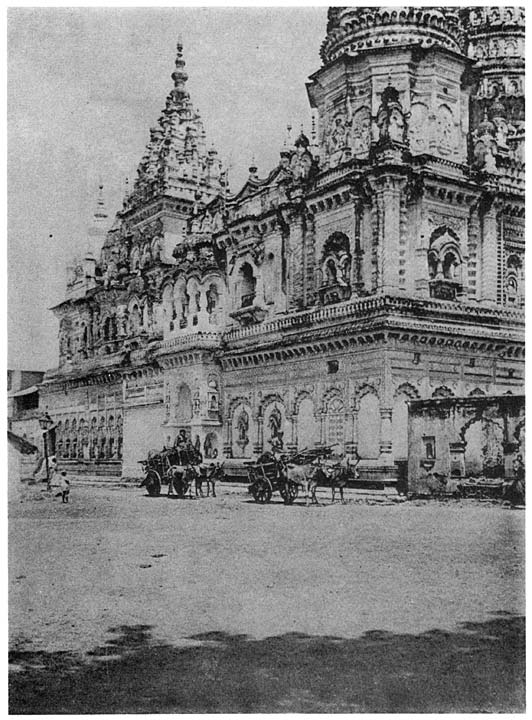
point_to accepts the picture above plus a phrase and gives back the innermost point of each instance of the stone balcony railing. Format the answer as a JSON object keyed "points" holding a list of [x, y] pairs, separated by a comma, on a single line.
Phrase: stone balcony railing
{"points": [[384, 304], [393, 308], [200, 339]]}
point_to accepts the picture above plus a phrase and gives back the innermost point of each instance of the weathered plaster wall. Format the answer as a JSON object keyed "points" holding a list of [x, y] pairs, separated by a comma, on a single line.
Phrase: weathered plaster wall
{"points": [[450, 439]]}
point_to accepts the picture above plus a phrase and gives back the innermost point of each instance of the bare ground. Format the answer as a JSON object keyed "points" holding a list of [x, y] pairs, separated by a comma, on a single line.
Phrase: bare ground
{"points": [[124, 603]]}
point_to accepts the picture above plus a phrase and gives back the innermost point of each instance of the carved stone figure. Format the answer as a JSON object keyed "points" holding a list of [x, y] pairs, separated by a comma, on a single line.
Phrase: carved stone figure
{"points": [[361, 132], [337, 138], [501, 133], [391, 119], [275, 423], [243, 429], [212, 298]]}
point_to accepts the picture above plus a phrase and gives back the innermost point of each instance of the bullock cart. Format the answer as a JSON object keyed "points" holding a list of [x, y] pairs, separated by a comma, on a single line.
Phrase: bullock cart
{"points": [[173, 467], [270, 473]]}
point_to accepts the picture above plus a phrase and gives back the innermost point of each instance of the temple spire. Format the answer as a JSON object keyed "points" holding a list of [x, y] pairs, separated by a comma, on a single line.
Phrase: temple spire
{"points": [[177, 160]]}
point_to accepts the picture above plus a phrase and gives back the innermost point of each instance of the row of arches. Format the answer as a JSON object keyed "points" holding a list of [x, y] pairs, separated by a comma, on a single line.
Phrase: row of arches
{"points": [[98, 439], [365, 426], [187, 303], [81, 338], [331, 422]]}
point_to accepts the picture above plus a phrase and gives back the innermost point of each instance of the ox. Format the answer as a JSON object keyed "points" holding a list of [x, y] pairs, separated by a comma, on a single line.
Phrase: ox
{"points": [[209, 474], [339, 473], [306, 477]]}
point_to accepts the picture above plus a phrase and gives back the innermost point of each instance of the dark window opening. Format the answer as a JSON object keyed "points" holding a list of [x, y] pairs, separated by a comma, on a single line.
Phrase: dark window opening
{"points": [[332, 366], [430, 447]]}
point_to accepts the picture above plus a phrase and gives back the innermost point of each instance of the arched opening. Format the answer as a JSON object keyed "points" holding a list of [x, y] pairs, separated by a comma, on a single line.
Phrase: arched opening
{"points": [[330, 272], [445, 265], [210, 446], [307, 427], [513, 282], [369, 427], [335, 269], [168, 309], [247, 285]]}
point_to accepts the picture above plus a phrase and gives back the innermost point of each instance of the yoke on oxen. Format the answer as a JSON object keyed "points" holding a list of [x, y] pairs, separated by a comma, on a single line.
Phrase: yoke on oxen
{"points": [[287, 474]]}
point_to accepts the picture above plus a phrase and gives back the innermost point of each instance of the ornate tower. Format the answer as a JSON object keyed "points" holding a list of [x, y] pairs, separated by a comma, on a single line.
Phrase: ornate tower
{"points": [[494, 39], [392, 97], [415, 51]]}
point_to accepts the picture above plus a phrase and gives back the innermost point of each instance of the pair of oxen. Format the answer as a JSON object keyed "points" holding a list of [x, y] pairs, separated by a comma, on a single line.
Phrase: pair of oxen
{"points": [[307, 476]]}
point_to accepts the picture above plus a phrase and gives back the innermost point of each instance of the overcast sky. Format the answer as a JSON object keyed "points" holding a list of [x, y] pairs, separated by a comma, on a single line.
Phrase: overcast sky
{"points": [[84, 87]]}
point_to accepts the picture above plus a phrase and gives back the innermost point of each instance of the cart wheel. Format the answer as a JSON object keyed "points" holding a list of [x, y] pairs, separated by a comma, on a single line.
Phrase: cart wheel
{"points": [[178, 482], [292, 493], [153, 483], [261, 492], [288, 492]]}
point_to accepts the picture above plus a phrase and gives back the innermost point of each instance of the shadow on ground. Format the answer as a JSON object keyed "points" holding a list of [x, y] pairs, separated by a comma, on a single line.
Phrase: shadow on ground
{"points": [[479, 668]]}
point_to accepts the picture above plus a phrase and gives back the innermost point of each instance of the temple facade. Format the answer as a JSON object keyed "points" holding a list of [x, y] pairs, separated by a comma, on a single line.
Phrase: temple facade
{"points": [[380, 262]]}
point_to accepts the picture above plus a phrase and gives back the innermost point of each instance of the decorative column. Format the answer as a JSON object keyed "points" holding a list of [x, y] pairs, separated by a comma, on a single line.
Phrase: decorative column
{"points": [[296, 264], [357, 282], [258, 447], [386, 456], [351, 444], [323, 419], [228, 445], [489, 249]]}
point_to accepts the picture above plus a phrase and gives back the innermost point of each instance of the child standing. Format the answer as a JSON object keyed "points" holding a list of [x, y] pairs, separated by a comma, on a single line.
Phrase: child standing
{"points": [[63, 484]]}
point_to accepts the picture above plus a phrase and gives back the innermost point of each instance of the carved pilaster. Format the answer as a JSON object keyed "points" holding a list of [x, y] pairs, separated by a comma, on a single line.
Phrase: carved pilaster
{"points": [[323, 427], [228, 445], [386, 435], [351, 443], [259, 445], [489, 213], [388, 189]]}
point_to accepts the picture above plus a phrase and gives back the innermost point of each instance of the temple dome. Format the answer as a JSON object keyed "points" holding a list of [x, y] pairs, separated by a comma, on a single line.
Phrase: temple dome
{"points": [[351, 30]]}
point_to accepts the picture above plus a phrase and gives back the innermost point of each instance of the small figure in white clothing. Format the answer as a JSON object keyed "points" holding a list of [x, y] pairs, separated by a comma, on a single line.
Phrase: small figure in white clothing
{"points": [[63, 483]]}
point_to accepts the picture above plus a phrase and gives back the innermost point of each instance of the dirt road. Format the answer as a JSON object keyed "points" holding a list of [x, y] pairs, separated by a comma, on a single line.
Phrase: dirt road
{"points": [[124, 603]]}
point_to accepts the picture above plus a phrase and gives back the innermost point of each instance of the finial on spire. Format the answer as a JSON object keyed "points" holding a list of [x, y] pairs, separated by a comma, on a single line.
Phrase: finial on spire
{"points": [[100, 213], [179, 76], [253, 167]]}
